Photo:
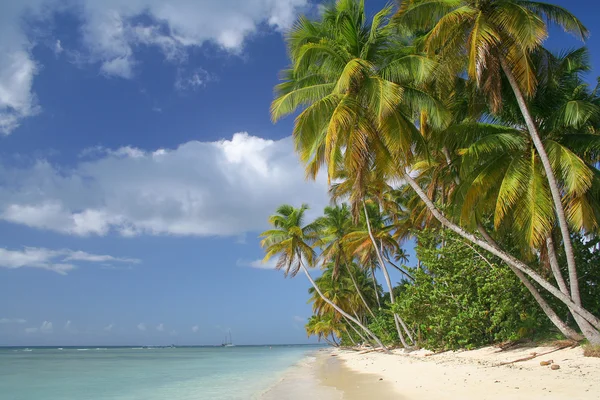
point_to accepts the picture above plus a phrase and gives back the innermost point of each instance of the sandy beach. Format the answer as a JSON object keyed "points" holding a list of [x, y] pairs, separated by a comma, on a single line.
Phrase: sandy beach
{"points": [[344, 374], [477, 374]]}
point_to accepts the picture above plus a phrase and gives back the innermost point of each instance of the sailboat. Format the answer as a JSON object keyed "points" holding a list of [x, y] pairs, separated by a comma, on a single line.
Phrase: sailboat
{"points": [[228, 342]]}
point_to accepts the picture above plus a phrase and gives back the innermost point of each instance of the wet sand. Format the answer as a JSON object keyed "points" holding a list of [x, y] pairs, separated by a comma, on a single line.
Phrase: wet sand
{"points": [[323, 376]]}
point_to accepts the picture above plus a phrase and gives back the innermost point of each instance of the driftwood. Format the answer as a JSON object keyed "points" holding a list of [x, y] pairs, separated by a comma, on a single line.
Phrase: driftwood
{"points": [[435, 354], [533, 355]]}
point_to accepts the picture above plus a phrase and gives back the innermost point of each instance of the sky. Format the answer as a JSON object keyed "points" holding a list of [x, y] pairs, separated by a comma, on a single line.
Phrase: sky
{"points": [[138, 164]]}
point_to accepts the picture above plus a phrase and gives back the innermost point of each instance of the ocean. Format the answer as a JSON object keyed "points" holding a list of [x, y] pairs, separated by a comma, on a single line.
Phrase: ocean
{"points": [[129, 373]]}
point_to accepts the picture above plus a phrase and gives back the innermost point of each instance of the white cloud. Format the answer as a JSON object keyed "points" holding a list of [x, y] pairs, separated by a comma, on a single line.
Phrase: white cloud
{"points": [[259, 264], [58, 49], [58, 261], [12, 321], [195, 328], [112, 30], [192, 81], [83, 256], [141, 326], [220, 188], [109, 327], [31, 330], [160, 327]]}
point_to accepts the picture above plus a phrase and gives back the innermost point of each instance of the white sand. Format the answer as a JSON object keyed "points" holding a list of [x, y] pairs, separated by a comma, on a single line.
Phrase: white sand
{"points": [[476, 374]]}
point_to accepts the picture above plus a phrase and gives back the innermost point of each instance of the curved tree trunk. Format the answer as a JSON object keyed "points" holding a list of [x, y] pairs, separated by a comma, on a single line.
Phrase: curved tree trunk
{"points": [[586, 328], [552, 183], [358, 291], [355, 330], [338, 309], [386, 275], [403, 272], [509, 259], [546, 308], [375, 288]]}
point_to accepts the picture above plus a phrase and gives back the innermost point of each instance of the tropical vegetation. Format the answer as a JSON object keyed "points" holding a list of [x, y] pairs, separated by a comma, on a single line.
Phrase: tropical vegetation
{"points": [[448, 125]]}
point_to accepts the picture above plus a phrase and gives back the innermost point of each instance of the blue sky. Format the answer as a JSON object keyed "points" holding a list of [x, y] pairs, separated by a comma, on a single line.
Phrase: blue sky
{"points": [[138, 164]]}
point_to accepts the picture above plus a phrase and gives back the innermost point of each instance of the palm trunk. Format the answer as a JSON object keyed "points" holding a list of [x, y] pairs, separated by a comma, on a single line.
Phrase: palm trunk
{"points": [[376, 291], [546, 308], [358, 289], [397, 319], [338, 309], [355, 330], [552, 183], [507, 258], [586, 328], [403, 272], [334, 341]]}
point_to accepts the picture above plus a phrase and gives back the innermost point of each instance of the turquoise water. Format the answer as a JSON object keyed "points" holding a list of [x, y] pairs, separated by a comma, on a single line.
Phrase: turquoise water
{"points": [[188, 373]]}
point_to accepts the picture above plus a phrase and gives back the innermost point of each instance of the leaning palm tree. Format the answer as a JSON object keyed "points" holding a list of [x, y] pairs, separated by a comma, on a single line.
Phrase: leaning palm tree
{"points": [[354, 78], [359, 87], [323, 326], [498, 38], [291, 241], [334, 225]]}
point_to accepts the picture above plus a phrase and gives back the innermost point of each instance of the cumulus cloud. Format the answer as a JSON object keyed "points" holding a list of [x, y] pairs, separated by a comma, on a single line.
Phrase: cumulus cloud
{"points": [[59, 261], [160, 327], [109, 327], [141, 326], [222, 188], [195, 328], [12, 321], [112, 30]]}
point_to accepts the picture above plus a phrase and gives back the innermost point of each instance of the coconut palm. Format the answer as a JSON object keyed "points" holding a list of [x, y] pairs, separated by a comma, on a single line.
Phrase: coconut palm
{"points": [[324, 326], [291, 241], [498, 38], [358, 87], [502, 175], [335, 224]]}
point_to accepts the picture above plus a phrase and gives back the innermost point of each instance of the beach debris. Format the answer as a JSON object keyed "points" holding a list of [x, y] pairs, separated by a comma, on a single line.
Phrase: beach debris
{"points": [[544, 363], [555, 366], [380, 379], [534, 355]]}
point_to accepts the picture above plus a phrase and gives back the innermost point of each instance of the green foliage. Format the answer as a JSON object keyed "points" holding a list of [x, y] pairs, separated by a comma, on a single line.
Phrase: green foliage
{"points": [[383, 326], [462, 300], [587, 258]]}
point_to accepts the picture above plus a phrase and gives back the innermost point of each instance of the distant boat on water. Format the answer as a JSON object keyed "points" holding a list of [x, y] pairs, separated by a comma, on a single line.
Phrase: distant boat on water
{"points": [[228, 342]]}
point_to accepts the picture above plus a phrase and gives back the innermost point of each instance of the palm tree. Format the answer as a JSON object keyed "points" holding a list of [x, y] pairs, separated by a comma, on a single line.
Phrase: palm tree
{"points": [[291, 241], [323, 326], [498, 36], [355, 78], [501, 174], [359, 87], [335, 224]]}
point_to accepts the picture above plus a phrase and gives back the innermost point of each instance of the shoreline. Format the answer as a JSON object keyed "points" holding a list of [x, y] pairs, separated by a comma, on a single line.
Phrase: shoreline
{"points": [[332, 374], [323, 375]]}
